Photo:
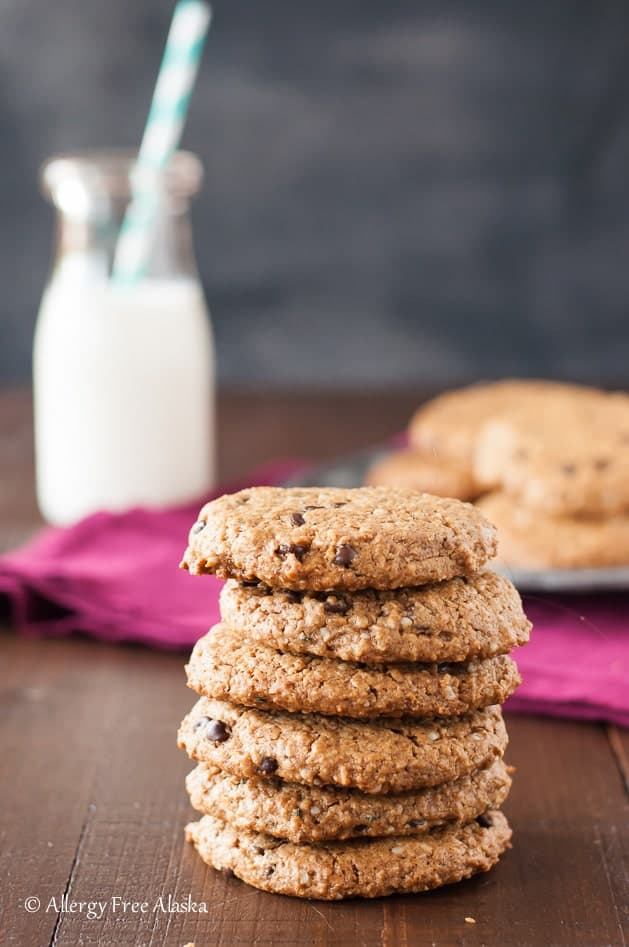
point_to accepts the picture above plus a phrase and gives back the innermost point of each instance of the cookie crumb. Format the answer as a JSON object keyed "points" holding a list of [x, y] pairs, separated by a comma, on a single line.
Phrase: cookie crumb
{"points": [[470, 920]]}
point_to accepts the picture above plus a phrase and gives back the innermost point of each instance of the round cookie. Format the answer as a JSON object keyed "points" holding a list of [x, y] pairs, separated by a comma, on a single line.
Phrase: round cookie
{"points": [[312, 814], [365, 868], [375, 756], [472, 617], [327, 538], [226, 666], [569, 459], [530, 540], [424, 472], [449, 425]]}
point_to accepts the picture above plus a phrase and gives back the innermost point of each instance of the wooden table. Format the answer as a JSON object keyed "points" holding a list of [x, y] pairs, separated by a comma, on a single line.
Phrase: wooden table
{"points": [[93, 805]]}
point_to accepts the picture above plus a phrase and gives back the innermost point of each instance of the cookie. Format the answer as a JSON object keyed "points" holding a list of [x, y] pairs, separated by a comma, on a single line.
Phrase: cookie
{"points": [[326, 538], [375, 756], [533, 541], [365, 868], [311, 814], [449, 425], [226, 666], [473, 617], [424, 472], [570, 459]]}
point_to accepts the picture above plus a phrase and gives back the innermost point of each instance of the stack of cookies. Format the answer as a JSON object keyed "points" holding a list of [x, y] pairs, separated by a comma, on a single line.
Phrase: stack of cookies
{"points": [[442, 438], [547, 462], [559, 476], [348, 734]]}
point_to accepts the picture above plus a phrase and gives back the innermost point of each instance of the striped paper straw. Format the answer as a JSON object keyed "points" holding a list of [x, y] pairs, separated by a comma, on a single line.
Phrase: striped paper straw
{"points": [[164, 125]]}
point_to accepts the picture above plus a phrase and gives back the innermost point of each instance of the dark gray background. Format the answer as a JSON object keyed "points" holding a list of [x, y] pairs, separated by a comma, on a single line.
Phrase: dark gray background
{"points": [[396, 191]]}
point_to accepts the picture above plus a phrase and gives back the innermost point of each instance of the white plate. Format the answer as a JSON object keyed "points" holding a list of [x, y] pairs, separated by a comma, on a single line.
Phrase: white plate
{"points": [[350, 471]]}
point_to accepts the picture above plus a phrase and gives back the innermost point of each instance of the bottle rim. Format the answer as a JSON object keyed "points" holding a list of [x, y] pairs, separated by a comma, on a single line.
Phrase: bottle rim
{"points": [[112, 171]]}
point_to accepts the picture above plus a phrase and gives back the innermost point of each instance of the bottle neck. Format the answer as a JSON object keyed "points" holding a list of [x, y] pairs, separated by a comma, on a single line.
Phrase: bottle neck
{"points": [[86, 245], [91, 194]]}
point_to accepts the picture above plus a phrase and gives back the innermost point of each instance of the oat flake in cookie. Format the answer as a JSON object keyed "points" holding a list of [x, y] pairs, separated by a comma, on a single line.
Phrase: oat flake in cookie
{"points": [[319, 538]]}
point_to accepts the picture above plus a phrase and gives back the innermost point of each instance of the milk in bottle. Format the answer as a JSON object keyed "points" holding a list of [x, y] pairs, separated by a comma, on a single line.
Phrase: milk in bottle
{"points": [[123, 373]]}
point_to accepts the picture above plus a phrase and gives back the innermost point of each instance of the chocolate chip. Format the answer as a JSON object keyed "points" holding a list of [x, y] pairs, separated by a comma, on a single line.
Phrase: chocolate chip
{"points": [[296, 549], [297, 519], [216, 730], [569, 469], [345, 555], [602, 463], [268, 765], [270, 871], [338, 607], [260, 589], [416, 823], [293, 596], [198, 526], [485, 820]]}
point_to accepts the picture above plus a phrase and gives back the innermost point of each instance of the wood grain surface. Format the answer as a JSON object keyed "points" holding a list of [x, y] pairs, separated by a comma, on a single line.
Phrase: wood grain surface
{"points": [[92, 804]]}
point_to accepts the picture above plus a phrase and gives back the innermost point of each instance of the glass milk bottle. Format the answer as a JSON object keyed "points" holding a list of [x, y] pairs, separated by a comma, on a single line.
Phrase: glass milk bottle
{"points": [[123, 371]]}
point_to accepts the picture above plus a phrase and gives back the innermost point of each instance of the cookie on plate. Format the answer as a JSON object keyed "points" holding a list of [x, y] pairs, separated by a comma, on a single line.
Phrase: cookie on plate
{"points": [[314, 814], [449, 424], [427, 473], [531, 540], [570, 459], [327, 538], [226, 666], [365, 868], [375, 756], [472, 617]]}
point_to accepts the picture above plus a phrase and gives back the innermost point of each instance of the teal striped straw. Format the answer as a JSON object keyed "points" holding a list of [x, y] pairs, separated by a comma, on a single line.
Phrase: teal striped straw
{"points": [[164, 126]]}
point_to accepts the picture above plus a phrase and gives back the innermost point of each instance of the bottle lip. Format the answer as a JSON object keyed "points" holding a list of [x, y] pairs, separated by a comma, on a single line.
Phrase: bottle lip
{"points": [[112, 170]]}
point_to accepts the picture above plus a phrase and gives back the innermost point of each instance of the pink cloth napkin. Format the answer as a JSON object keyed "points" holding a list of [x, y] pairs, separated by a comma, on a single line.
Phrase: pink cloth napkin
{"points": [[577, 661], [116, 577]]}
